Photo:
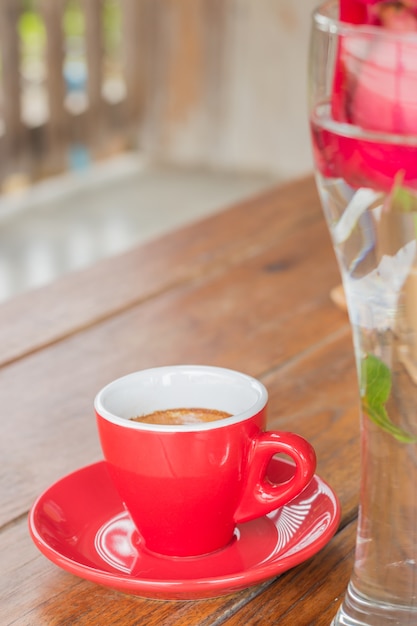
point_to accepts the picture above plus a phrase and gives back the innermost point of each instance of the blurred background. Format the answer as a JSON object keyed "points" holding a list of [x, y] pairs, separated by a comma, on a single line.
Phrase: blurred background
{"points": [[123, 119]]}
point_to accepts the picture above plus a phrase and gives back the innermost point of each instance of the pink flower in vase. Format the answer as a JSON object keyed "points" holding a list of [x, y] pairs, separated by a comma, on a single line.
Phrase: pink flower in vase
{"points": [[398, 15], [375, 89], [380, 75]]}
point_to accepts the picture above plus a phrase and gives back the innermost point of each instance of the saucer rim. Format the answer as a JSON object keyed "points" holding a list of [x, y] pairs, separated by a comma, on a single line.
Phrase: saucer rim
{"points": [[189, 588]]}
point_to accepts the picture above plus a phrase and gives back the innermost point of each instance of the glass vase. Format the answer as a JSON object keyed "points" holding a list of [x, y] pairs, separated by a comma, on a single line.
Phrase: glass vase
{"points": [[363, 119]]}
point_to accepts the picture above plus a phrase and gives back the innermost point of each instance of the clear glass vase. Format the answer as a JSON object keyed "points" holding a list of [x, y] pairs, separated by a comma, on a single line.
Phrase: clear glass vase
{"points": [[363, 117]]}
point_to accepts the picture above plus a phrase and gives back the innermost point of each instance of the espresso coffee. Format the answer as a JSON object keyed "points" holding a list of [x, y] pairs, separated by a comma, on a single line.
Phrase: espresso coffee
{"points": [[182, 416]]}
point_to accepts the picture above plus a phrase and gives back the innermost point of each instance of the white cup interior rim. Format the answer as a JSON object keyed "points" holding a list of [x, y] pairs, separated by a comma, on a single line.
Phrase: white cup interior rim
{"points": [[181, 386]]}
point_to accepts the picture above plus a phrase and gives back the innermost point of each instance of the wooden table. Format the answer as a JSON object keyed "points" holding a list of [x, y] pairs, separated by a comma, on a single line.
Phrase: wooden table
{"points": [[246, 289]]}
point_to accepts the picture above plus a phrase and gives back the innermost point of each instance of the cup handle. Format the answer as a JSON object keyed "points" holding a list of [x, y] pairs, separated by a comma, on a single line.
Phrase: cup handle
{"points": [[261, 496]]}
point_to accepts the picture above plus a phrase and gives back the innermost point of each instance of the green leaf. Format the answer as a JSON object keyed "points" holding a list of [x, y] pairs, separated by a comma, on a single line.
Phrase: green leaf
{"points": [[377, 378], [403, 200]]}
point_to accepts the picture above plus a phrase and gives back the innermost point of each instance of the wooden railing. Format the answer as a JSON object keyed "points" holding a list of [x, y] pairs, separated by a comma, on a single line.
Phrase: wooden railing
{"points": [[218, 83], [56, 111]]}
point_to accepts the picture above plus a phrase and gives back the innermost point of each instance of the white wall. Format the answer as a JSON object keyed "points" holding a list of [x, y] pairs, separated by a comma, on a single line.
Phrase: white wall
{"points": [[228, 84]]}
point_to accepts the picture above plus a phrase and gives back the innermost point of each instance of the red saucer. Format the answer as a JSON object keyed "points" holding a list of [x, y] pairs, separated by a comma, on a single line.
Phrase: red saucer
{"points": [[81, 525]]}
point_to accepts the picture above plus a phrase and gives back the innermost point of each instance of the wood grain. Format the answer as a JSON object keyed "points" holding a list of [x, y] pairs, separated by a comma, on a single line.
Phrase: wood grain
{"points": [[307, 594], [55, 598], [35, 319], [247, 289], [247, 315]]}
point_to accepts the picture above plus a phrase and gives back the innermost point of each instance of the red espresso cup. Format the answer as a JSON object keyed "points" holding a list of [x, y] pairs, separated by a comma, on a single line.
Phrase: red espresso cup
{"points": [[187, 486]]}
